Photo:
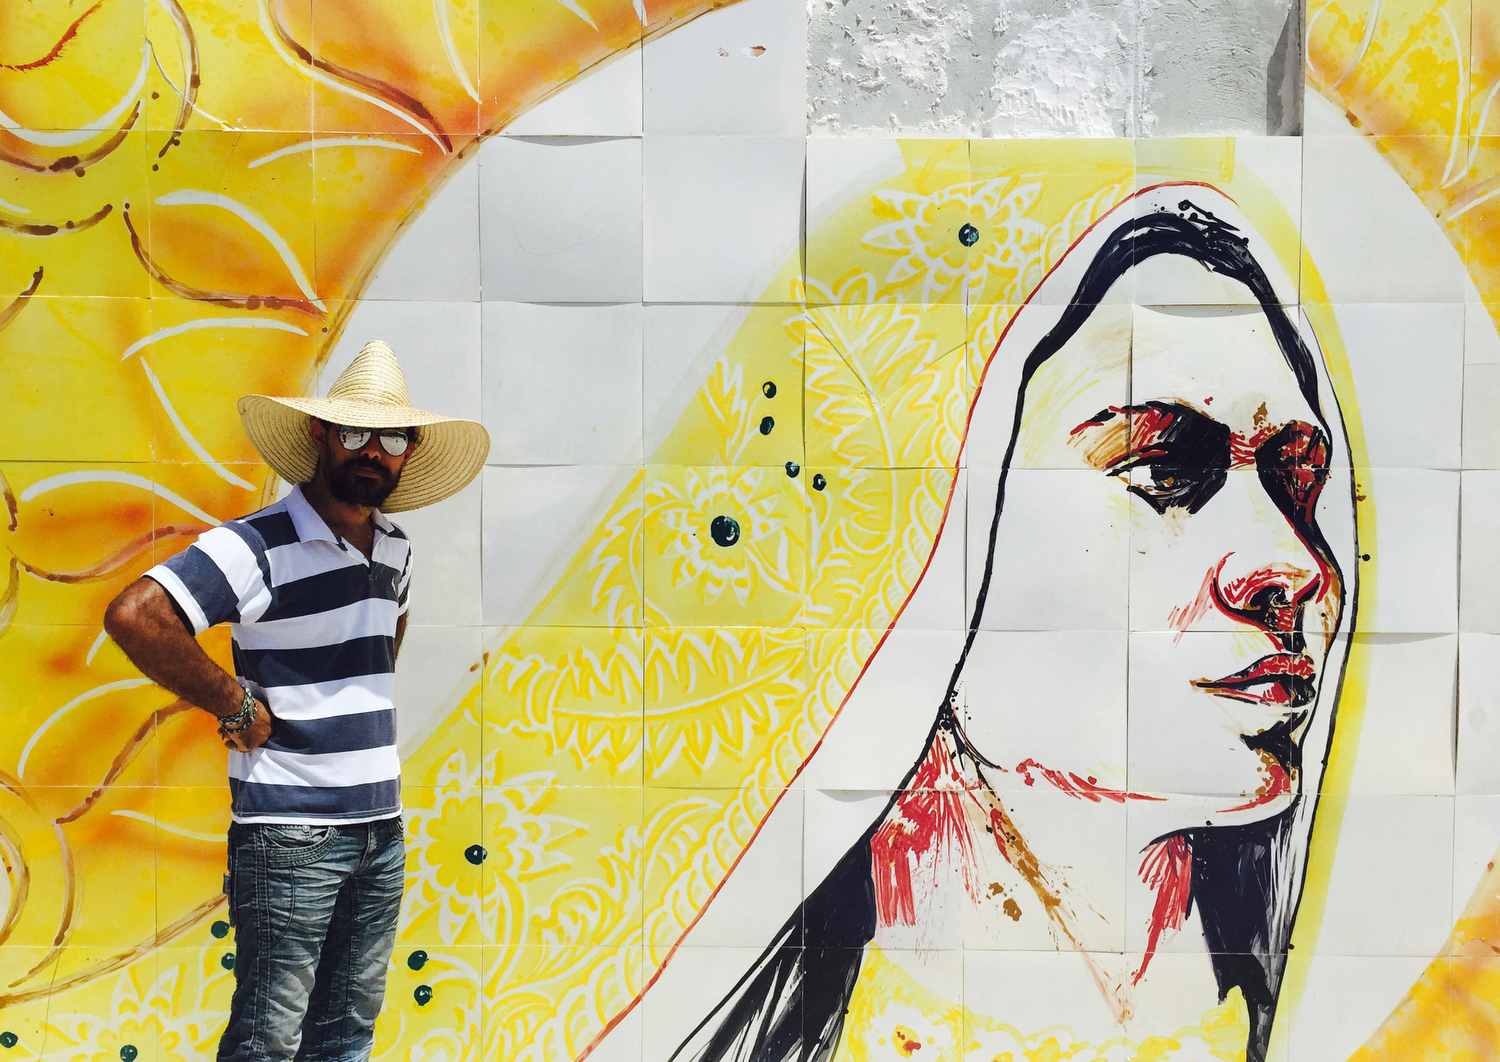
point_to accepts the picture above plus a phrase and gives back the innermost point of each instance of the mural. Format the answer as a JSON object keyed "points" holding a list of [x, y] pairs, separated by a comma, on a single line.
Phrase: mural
{"points": [[973, 657]]}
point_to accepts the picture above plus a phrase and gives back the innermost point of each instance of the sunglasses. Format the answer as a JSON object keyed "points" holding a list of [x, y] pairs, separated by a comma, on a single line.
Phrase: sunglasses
{"points": [[393, 441]]}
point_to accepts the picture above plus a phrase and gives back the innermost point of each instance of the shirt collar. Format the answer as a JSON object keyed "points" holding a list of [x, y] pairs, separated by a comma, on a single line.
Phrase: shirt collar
{"points": [[310, 526]]}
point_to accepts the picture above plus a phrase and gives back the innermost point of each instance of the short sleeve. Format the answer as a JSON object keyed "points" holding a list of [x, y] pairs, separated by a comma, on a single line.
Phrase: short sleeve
{"points": [[220, 578], [403, 587]]}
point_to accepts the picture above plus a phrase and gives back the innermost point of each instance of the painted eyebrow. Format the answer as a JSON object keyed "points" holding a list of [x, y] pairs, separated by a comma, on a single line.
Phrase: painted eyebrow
{"points": [[1165, 411]]}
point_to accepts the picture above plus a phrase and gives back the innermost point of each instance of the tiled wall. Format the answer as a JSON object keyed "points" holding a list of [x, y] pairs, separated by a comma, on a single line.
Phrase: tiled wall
{"points": [[741, 387]]}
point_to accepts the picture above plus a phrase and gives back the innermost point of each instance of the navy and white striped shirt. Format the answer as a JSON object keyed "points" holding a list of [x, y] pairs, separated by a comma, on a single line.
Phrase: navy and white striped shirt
{"points": [[314, 629]]}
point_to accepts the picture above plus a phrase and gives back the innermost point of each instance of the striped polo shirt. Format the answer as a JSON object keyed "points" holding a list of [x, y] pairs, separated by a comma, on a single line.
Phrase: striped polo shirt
{"points": [[313, 623]]}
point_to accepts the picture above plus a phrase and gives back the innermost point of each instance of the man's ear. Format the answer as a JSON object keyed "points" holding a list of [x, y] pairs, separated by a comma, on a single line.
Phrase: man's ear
{"points": [[316, 431]]}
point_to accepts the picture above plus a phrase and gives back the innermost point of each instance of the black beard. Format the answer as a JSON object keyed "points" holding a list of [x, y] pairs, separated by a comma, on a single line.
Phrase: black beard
{"points": [[350, 489]]}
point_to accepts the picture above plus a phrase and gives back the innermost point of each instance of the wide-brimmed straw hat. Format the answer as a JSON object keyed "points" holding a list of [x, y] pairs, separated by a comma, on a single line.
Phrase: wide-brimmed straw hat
{"points": [[370, 393]]}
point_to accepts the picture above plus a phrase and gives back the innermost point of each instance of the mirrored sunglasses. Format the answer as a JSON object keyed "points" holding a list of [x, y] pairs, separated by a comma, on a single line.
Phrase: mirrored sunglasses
{"points": [[393, 441]]}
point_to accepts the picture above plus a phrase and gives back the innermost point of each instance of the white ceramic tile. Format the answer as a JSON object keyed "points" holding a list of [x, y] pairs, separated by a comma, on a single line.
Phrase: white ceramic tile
{"points": [[437, 256], [1276, 160], [895, 1029], [437, 344], [1479, 713], [1051, 700], [1479, 560], [1476, 838], [1079, 384], [1384, 903], [714, 403], [1408, 366], [433, 673], [1481, 423], [535, 520], [1031, 991], [725, 545], [562, 383], [1177, 992], [1152, 861], [722, 216], [838, 170], [1368, 234], [1061, 550], [1406, 737], [1321, 117], [763, 894], [1176, 280], [938, 972], [938, 602], [1080, 848], [736, 70], [626, 1041], [445, 555], [681, 344], [833, 821], [604, 102], [560, 219], [1481, 341], [1187, 738], [697, 981], [1346, 1000], [1210, 570], [1416, 539], [880, 733]]}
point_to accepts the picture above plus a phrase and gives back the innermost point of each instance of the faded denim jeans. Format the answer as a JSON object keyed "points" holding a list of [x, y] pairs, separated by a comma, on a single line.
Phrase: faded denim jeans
{"points": [[314, 910]]}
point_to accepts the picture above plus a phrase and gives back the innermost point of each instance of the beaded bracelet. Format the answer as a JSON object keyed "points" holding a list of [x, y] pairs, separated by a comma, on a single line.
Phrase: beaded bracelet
{"points": [[240, 720]]}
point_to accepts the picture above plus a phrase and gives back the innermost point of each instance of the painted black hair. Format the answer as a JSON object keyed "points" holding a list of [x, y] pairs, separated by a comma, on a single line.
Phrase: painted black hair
{"points": [[790, 1005]]}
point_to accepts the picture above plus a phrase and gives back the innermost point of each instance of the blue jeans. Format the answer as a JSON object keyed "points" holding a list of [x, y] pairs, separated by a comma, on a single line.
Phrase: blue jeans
{"points": [[314, 910]]}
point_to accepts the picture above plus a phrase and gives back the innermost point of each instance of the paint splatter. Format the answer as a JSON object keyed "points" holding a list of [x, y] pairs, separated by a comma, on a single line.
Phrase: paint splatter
{"points": [[1083, 788], [1168, 868], [905, 1041], [926, 827]]}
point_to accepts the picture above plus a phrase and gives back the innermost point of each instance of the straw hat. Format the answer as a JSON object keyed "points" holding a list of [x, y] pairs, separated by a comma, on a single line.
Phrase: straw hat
{"points": [[370, 393]]}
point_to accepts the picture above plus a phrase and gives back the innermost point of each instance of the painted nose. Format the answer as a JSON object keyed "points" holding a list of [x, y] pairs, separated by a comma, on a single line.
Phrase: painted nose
{"points": [[1270, 573]]}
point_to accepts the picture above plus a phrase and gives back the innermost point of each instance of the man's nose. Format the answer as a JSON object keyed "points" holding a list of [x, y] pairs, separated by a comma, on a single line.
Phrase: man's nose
{"points": [[372, 447]]}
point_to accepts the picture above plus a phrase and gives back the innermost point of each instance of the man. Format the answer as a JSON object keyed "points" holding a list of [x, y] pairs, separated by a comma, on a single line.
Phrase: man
{"points": [[315, 589]]}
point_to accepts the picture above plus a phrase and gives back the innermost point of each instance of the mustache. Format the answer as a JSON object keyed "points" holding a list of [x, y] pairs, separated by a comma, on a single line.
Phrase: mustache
{"points": [[368, 463]]}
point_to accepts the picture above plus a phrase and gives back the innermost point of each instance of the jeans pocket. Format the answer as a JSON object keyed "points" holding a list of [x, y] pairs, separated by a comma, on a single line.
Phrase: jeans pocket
{"points": [[295, 845]]}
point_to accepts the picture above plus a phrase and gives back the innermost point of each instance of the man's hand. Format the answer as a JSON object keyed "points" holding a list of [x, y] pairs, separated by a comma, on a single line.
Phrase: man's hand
{"points": [[253, 736]]}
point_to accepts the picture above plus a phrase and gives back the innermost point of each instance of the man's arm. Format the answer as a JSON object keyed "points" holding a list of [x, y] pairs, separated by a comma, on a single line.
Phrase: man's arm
{"points": [[143, 622], [400, 633]]}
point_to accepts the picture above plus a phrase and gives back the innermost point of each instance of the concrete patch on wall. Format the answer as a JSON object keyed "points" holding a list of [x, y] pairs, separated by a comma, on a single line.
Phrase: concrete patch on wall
{"points": [[1053, 67]]}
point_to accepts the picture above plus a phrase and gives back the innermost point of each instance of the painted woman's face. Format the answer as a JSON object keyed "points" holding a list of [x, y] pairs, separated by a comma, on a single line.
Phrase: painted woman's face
{"points": [[1211, 463]]}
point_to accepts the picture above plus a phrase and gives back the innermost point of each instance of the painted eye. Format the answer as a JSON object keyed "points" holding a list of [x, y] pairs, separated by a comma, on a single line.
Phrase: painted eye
{"points": [[1294, 465], [1165, 485], [1164, 480]]}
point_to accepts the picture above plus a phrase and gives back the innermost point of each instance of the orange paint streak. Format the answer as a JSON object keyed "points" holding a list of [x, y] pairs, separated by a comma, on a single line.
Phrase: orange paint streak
{"points": [[1278, 784], [8, 315], [56, 49], [119, 559], [144, 733]]}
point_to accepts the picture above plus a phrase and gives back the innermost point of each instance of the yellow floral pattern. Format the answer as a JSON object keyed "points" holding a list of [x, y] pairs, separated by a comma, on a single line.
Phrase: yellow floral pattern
{"points": [[963, 237]]}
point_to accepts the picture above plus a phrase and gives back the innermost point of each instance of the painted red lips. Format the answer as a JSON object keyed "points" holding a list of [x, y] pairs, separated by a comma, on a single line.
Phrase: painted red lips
{"points": [[1285, 680]]}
